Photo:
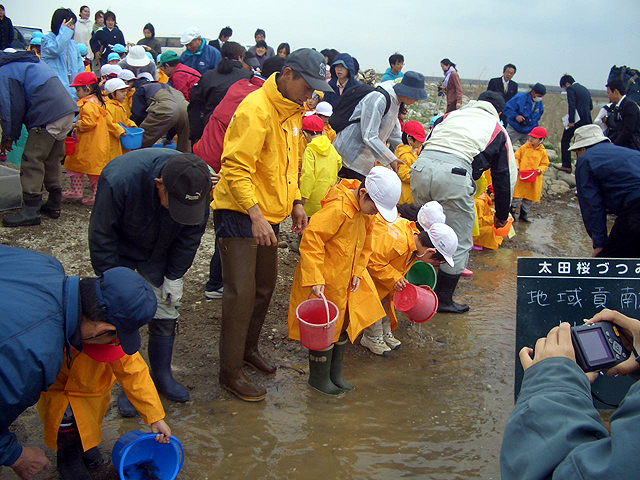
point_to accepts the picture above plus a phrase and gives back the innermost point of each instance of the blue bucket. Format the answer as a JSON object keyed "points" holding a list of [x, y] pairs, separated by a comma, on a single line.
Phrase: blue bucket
{"points": [[139, 447], [132, 139], [171, 146]]}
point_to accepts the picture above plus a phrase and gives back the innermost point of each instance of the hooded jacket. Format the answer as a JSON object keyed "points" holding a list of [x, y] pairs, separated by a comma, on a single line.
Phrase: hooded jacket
{"points": [[320, 166], [6, 33], [333, 97], [389, 75], [408, 157], [82, 34], [183, 80], [204, 59], [60, 52], [39, 313], [30, 93], [529, 158], [522, 104]]}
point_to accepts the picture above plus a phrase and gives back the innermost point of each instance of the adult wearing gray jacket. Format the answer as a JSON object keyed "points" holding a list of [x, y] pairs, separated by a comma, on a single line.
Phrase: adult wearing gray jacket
{"points": [[137, 61]]}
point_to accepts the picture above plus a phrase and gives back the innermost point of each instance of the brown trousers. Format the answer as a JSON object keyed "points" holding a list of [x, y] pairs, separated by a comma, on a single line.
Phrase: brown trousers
{"points": [[41, 162], [167, 111]]}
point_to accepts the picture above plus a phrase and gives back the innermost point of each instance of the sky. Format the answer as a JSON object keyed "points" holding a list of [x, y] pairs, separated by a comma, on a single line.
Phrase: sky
{"points": [[543, 38]]}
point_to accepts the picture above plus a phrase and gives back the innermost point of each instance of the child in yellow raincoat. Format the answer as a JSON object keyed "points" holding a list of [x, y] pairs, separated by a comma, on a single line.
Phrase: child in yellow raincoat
{"points": [[93, 128], [320, 164], [532, 160], [324, 110], [485, 236], [116, 90], [394, 249], [334, 252], [129, 78], [413, 137]]}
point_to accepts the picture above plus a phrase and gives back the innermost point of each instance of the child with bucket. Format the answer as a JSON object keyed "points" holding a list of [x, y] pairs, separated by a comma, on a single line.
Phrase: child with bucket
{"points": [[116, 91], [93, 129], [413, 136], [129, 78], [334, 253], [394, 249], [532, 161]]}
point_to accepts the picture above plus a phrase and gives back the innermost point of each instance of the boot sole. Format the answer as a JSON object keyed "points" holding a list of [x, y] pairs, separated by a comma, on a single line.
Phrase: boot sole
{"points": [[340, 392], [244, 397], [30, 223]]}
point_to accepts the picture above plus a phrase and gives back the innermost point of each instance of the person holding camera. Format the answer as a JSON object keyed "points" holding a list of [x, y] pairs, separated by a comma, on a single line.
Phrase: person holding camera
{"points": [[523, 113], [554, 430]]}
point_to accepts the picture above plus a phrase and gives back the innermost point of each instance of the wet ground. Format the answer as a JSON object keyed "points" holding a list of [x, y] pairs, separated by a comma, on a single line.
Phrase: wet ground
{"points": [[435, 409]]}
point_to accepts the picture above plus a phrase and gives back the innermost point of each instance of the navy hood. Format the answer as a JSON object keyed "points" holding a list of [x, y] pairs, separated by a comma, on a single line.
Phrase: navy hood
{"points": [[346, 58], [19, 56]]}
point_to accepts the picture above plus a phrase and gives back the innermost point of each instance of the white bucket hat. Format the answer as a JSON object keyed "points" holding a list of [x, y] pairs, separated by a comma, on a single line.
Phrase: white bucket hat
{"points": [[189, 35], [137, 57], [430, 213], [114, 84], [384, 187], [445, 240], [586, 136]]}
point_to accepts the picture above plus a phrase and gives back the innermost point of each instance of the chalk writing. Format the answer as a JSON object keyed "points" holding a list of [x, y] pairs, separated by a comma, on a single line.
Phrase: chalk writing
{"points": [[600, 297], [538, 296]]}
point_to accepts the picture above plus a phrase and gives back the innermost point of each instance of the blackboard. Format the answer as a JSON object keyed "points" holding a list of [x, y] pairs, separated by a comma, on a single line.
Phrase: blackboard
{"points": [[555, 290]]}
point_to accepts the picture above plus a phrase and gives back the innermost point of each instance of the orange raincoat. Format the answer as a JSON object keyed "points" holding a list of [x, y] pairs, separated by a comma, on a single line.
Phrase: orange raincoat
{"points": [[335, 247], [118, 111], [409, 157], [87, 387], [530, 158]]}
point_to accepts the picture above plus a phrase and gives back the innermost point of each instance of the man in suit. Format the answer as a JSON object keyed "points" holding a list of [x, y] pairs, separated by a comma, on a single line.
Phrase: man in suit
{"points": [[504, 86], [225, 35], [624, 121], [580, 106]]}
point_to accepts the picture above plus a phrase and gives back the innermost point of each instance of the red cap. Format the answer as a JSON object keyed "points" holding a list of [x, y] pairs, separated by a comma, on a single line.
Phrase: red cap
{"points": [[312, 123], [538, 132], [84, 79], [416, 130]]}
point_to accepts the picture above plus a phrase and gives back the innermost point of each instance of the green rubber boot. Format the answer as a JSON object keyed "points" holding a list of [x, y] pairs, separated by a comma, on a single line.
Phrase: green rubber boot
{"points": [[335, 372], [319, 366]]}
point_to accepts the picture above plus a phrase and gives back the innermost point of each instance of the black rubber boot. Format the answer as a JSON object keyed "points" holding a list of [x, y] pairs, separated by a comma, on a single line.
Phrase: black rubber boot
{"points": [[161, 338], [512, 211], [523, 216], [445, 287], [125, 407], [69, 455], [92, 458], [28, 214], [335, 372], [319, 376], [53, 205]]}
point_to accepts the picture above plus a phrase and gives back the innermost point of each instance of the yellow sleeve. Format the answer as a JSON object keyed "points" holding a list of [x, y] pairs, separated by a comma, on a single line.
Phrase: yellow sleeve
{"points": [[88, 117], [308, 174], [518, 156], [363, 260], [243, 144], [132, 373], [115, 129], [383, 273], [404, 170], [544, 162]]}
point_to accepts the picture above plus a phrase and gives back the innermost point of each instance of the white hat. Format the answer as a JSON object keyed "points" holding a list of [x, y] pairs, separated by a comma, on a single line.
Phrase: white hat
{"points": [[445, 240], [146, 75], [137, 57], [126, 75], [324, 108], [10, 50], [114, 84], [107, 69], [430, 213], [190, 34], [586, 136], [384, 187]]}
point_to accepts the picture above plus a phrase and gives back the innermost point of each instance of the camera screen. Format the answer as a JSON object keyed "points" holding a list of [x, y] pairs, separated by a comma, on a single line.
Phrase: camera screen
{"points": [[595, 346]]}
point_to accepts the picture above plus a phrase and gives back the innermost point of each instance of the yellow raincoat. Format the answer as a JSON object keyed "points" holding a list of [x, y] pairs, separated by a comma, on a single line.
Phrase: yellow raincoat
{"points": [[335, 247], [530, 158], [128, 101], [118, 112], [260, 157], [485, 236], [481, 187], [87, 387], [392, 253], [162, 77], [329, 132], [320, 166], [93, 146], [409, 157]]}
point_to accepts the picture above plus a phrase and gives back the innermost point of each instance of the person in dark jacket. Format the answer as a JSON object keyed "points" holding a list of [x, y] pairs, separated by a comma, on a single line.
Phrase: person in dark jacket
{"points": [[150, 212], [608, 181], [343, 77], [580, 106], [198, 55], [32, 94], [504, 85], [150, 43], [212, 87], [106, 37], [6, 30], [44, 314], [624, 121], [225, 35]]}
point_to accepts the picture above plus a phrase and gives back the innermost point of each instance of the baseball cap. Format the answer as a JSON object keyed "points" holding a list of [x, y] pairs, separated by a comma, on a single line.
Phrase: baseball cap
{"points": [[310, 64], [190, 34], [445, 240], [312, 123], [111, 71], [137, 57], [538, 132], [113, 56], [35, 41], [167, 57], [128, 303], [145, 75], [126, 75], [539, 88], [118, 48], [430, 213], [114, 84], [494, 98], [324, 108], [384, 187], [251, 60], [416, 130], [84, 79], [187, 180]]}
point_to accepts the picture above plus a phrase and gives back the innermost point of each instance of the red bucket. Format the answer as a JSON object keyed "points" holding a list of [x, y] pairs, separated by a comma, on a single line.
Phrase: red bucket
{"points": [[317, 321], [528, 176], [418, 303], [69, 146]]}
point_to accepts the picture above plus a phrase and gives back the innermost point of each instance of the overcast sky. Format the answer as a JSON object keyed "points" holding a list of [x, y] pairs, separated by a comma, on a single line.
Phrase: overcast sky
{"points": [[543, 38]]}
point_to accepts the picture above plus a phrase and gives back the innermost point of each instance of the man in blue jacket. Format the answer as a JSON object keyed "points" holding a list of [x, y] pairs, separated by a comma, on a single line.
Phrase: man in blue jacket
{"points": [[31, 93], [523, 112], [580, 106], [343, 77], [44, 313], [608, 181], [198, 54]]}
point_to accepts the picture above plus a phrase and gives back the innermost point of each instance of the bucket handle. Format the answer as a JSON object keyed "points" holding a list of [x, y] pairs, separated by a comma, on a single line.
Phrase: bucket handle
{"points": [[326, 306], [72, 134], [533, 172], [181, 452]]}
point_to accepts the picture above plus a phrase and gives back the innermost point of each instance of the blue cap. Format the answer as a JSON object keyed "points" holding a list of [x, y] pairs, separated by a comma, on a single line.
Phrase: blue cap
{"points": [[128, 303], [118, 48], [113, 56], [36, 40], [82, 49], [36, 33], [158, 57]]}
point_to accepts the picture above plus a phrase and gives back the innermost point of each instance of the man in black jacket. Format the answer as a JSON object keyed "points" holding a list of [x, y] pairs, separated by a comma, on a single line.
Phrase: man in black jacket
{"points": [[150, 212], [580, 106], [504, 85], [6, 30], [624, 121], [225, 35]]}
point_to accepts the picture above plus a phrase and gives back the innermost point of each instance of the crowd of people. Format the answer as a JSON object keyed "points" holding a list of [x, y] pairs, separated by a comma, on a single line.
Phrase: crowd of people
{"points": [[255, 136]]}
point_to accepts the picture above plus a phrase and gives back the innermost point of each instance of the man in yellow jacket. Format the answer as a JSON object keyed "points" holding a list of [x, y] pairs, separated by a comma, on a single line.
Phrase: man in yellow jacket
{"points": [[258, 189]]}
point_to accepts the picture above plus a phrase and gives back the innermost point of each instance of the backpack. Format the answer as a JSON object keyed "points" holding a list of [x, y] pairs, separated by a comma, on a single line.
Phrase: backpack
{"points": [[631, 79], [343, 110]]}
